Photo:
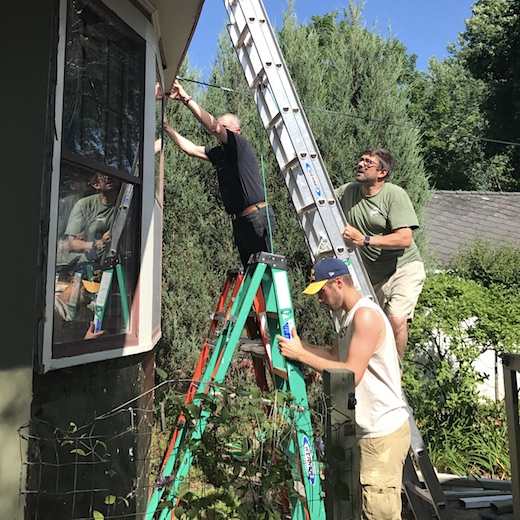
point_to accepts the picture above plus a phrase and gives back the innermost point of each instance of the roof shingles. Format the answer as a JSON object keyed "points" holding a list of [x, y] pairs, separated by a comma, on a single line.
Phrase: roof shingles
{"points": [[454, 218]]}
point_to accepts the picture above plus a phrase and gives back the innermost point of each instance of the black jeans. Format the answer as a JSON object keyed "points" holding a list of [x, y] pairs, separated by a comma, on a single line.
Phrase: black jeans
{"points": [[252, 233]]}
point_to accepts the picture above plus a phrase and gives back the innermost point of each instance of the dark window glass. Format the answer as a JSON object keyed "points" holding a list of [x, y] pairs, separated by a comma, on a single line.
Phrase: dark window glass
{"points": [[98, 245], [103, 87]]}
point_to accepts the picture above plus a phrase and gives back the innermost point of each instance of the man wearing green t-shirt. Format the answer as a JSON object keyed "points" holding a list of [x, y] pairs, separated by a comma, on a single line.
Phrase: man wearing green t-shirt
{"points": [[88, 227], [381, 219]]}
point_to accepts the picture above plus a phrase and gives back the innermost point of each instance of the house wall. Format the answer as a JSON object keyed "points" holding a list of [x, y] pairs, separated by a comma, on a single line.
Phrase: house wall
{"points": [[26, 45], [90, 434], [36, 411]]}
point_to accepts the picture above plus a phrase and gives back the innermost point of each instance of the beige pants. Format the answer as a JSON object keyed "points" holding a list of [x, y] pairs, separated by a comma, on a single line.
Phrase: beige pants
{"points": [[398, 295], [381, 474]]}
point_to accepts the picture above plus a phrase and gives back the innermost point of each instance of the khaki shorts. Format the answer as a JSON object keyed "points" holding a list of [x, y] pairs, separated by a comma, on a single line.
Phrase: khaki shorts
{"points": [[381, 474], [398, 295]]}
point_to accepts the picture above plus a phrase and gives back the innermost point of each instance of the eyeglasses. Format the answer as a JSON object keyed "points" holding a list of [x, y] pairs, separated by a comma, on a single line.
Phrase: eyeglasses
{"points": [[367, 162]]}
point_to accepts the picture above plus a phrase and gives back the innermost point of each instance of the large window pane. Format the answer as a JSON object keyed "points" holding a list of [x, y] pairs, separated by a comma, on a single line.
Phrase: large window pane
{"points": [[103, 87], [100, 195], [89, 244]]}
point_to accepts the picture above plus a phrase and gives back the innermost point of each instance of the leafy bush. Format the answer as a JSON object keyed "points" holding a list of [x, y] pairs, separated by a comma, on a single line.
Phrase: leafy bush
{"points": [[456, 320], [241, 468], [489, 264]]}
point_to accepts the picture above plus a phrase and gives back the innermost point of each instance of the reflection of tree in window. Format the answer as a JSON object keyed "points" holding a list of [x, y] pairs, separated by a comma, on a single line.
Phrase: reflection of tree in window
{"points": [[103, 84]]}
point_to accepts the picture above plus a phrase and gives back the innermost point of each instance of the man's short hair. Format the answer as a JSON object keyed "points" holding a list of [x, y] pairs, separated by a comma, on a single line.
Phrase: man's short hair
{"points": [[237, 124], [386, 161]]}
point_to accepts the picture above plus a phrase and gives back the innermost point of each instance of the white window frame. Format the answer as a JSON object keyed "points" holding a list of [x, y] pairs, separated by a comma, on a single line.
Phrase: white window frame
{"points": [[144, 321]]}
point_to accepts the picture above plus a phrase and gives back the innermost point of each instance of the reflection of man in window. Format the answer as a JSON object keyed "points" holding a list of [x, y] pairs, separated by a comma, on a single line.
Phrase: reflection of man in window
{"points": [[88, 228]]}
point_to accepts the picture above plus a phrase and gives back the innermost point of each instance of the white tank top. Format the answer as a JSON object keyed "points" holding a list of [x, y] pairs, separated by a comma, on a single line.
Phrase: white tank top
{"points": [[380, 407]]}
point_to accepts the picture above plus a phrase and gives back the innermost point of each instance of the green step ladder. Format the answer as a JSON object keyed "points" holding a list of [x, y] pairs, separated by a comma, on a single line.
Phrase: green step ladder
{"points": [[265, 281]]}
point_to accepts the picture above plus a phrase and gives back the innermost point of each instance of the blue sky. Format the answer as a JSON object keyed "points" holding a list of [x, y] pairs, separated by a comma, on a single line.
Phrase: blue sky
{"points": [[425, 27]]}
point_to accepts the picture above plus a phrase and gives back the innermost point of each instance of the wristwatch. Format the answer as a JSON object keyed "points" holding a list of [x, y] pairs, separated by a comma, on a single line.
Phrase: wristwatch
{"points": [[367, 241]]}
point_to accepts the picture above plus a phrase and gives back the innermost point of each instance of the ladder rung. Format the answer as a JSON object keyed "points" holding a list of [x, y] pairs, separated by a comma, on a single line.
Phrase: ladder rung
{"points": [[418, 491], [254, 346], [258, 79], [212, 342], [309, 207], [281, 372], [292, 164], [275, 122], [243, 35]]}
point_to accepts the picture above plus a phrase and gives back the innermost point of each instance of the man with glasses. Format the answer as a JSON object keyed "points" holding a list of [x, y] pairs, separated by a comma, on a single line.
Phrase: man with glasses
{"points": [[381, 219], [88, 227]]}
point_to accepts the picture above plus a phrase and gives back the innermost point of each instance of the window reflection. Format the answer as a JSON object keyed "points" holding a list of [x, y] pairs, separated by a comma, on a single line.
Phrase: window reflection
{"points": [[103, 87], [98, 239], [96, 234]]}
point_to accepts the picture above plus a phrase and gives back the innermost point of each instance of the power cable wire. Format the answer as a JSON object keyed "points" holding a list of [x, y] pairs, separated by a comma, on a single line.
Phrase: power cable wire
{"points": [[364, 118]]}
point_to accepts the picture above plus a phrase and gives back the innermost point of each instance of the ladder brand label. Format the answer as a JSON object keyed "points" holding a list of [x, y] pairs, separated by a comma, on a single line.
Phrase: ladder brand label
{"points": [[309, 460], [287, 327], [312, 177]]}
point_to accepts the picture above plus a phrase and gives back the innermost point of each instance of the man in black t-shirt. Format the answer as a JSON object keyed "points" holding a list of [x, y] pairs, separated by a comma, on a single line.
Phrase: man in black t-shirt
{"points": [[239, 177]]}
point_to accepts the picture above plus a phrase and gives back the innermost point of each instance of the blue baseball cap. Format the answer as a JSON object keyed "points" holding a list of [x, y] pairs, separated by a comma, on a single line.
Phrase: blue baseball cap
{"points": [[323, 271]]}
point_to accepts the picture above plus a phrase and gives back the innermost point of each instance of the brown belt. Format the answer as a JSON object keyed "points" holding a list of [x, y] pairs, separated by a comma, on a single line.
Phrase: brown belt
{"points": [[250, 209]]}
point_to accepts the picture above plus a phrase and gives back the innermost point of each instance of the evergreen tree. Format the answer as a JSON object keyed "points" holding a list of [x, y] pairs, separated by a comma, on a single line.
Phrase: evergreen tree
{"points": [[352, 84]]}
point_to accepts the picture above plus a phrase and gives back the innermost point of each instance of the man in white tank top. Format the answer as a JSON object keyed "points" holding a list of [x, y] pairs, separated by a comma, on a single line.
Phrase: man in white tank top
{"points": [[365, 346]]}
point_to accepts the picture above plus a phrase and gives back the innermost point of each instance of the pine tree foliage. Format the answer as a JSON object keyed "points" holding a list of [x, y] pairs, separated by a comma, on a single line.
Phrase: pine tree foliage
{"points": [[351, 83]]}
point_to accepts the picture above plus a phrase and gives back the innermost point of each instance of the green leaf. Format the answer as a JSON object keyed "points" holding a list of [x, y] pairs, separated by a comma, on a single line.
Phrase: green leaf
{"points": [[161, 373], [226, 416], [183, 489], [65, 442], [102, 443], [193, 512], [97, 515], [178, 511], [78, 451], [110, 499], [73, 427], [280, 398], [193, 410]]}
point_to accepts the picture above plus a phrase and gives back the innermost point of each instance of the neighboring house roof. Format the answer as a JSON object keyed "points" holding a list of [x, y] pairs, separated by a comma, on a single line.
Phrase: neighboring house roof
{"points": [[454, 218]]}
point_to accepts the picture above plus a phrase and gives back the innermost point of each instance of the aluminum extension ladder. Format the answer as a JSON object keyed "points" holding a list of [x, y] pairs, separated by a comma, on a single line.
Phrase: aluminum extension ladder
{"points": [[321, 217], [260, 302]]}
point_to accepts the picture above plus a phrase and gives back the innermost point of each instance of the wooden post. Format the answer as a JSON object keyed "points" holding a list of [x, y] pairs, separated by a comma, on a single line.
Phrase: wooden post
{"points": [[511, 365], [341, 455]]}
